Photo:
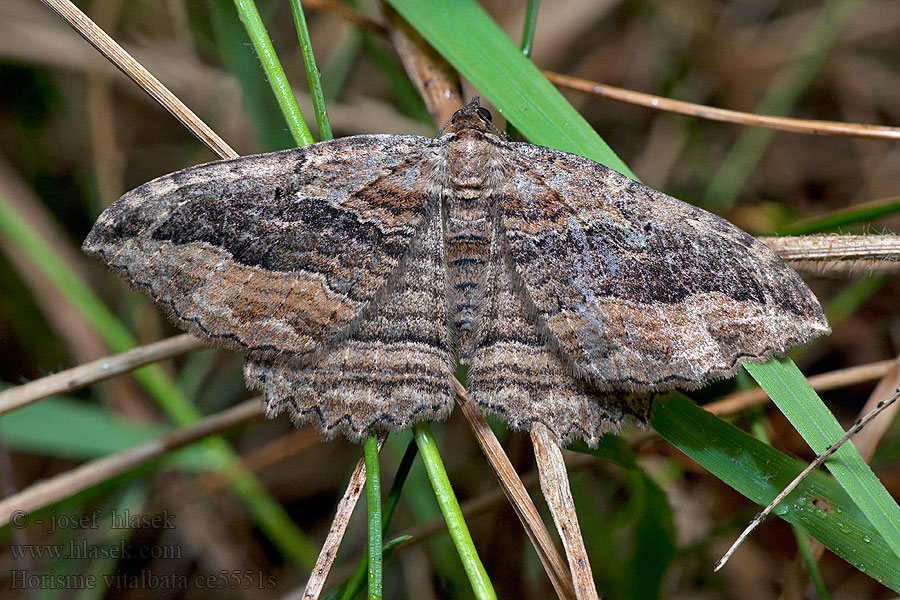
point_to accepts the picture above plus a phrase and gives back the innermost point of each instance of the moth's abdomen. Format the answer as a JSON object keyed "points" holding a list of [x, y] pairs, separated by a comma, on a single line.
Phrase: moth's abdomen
{"points": [[469, 232], [471, 173]]}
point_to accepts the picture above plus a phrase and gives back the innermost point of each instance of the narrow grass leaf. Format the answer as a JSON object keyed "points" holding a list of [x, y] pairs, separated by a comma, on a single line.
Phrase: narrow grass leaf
{"points": [[456, 524], [843, 218], [277, 79], [787, 387], [373, 511], [811, 564], [312, 72], [819, 505], [256, 97]]}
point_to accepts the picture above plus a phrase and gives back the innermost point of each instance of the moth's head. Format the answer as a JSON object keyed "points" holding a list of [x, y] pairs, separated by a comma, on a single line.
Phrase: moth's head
{"points": [[472, 116]]}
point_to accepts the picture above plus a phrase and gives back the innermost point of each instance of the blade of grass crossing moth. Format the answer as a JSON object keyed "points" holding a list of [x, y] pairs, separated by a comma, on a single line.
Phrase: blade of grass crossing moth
{"points": [[456, 525], [277, 79], [270, 516], [373, 510], [489, 59], [787, 387], [312, 72], [819, 504]]}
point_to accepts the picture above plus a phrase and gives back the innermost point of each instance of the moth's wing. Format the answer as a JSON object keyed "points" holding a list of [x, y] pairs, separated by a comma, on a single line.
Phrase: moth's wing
{"points": [[279, 255], [637, 290], [516, 375], [393, 371]]}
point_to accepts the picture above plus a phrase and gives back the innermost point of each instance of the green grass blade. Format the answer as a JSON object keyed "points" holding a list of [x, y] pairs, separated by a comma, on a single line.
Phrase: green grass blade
{"points": [[393, 497], [760, 472], [46, 428], [528, 30], [256, 96], [487, 58], [312, 72], [373, 511], [478, 578], [787, 387], [854, 215], [355, 582], [277, 79]]}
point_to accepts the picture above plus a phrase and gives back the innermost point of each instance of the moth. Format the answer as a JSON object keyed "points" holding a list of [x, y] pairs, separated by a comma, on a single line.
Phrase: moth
{"points": [[354, 273]]}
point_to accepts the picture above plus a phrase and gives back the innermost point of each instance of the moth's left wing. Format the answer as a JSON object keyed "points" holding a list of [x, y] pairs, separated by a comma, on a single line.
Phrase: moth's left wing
{"points": [[637, 290], [393, 371], [280, 255]]}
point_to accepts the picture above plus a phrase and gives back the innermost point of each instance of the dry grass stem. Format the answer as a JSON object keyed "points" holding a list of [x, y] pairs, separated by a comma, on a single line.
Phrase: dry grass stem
{"points": [[838, 253], [555, 486], [866, 441], [434, 79], [759, 518], [808, 126], [515, 491], [134, 70], [97, 370], [338, 528], [739, 401], [71, 482]]}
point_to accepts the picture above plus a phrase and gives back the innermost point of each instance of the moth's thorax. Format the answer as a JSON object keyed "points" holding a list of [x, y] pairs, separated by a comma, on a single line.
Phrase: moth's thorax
{"points": [[474, 174]]}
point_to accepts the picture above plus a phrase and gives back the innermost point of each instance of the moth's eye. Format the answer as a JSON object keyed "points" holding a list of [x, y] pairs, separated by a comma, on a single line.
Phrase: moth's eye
{"points": [[485, 114]]}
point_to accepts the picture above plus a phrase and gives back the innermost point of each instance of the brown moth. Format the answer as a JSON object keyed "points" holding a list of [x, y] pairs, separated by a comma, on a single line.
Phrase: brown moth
{"points": [[354, 272]]}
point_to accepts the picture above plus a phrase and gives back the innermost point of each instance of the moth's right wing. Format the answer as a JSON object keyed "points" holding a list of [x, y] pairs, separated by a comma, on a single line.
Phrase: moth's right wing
{"points": [[637, 290], [277, 255]]}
